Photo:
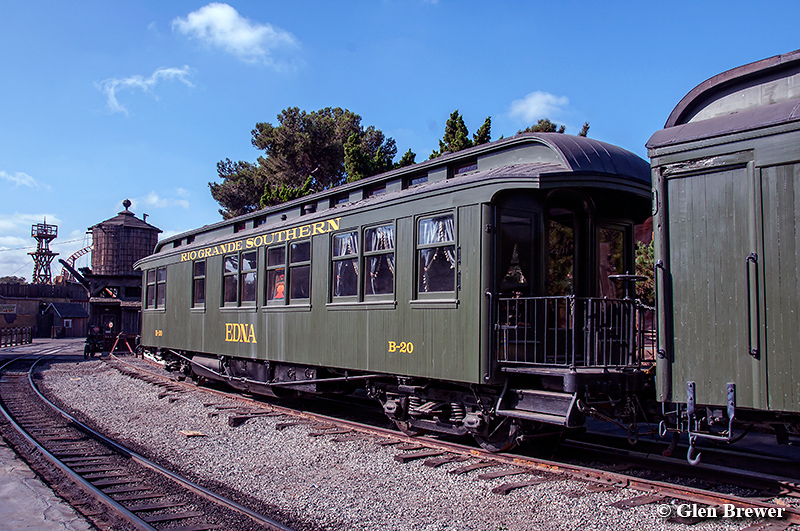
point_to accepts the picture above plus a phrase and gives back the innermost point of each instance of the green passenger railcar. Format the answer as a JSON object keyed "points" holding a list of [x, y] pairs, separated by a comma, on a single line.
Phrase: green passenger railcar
{"points": [[469, 293], [726, 172]]}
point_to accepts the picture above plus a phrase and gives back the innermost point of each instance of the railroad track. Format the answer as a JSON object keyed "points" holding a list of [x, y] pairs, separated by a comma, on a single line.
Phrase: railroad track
{"points": [[127, 487], [770, 493]]}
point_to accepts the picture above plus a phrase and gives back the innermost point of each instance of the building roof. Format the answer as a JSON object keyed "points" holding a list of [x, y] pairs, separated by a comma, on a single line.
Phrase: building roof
{"points": [[68, 310], [126, 219]]}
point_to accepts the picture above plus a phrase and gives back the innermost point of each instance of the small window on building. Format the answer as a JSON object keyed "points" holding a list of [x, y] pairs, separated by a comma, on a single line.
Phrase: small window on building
{"points": [[300, 269], [276, 274], [379, 260], [161, 287], [199, 284], [230, 279], [436, 255], [67, 323], [133, 292], [345, 264]]}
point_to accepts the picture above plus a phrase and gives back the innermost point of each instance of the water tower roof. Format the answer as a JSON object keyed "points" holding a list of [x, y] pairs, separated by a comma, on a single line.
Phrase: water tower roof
{"points": [[126, 219]]}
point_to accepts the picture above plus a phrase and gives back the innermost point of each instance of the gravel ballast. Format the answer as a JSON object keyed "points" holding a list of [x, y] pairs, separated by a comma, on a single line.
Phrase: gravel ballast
{"points": [[350, 485]]}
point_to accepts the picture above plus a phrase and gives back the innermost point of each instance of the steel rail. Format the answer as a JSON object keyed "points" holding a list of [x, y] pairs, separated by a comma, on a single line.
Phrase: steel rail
{"points": [[617, 479], [194, 487], [85, 485]]}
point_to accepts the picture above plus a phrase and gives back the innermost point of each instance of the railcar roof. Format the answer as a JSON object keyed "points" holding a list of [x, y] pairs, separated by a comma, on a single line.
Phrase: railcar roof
{"points": [[752, 96], [527, 155]]}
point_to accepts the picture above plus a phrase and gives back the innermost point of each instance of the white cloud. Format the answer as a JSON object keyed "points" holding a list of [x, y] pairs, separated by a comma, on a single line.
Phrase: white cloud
{"points": [[110, 87], [153, 200], [9, 242], [21, 223], [220, 25], [538, 105], [22, 179]]}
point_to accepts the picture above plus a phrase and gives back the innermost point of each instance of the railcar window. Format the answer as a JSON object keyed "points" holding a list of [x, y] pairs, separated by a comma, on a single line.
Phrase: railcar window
{"points": [[276, 273], [230, 279], [199, 283], [436, 260], [151, 289], [420, 179], [248, 277], [612, 261], [517, 235], [299, 270], [379, 260], [161, 287], [345, 264], [561, 247]]}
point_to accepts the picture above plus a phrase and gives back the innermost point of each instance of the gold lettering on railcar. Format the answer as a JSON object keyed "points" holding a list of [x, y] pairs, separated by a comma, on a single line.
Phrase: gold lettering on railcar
{"points": [[287, 235], [240, 333]]}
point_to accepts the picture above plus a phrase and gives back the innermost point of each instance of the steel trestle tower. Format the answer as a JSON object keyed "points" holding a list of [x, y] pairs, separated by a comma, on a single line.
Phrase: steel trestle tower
{"points": [[43, 234]]}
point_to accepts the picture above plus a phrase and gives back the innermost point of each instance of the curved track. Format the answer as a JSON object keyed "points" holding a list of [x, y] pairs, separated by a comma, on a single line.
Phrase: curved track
{"points": [[135, 490], [770, 491]]}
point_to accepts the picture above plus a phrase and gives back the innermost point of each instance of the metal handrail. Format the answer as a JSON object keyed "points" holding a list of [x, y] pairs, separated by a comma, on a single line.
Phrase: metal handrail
{"points": [[570, 331]]}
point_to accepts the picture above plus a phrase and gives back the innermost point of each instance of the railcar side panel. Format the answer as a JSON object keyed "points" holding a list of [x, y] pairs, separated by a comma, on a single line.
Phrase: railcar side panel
{"points": [[780, 197], [708, 218]]}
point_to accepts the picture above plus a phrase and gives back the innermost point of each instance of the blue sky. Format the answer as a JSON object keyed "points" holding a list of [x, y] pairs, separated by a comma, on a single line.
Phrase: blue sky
{"points": [[106, 100]]}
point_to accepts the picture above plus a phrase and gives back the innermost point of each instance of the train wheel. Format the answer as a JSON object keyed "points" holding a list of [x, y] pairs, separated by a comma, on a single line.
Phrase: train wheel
{"points": [[501, 436], [407, 428]]}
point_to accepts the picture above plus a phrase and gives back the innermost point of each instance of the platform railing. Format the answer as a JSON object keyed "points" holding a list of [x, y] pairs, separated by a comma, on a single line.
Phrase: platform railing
{"points": [[571, 331], [10, 337]]}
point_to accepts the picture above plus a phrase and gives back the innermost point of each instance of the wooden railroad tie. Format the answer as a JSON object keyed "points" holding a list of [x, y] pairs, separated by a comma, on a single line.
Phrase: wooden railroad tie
{"points": [[413, 456], [508, 487], [469, 468]]}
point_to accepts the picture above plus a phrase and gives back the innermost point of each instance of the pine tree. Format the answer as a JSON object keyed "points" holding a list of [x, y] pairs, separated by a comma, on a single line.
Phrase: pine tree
{"points": [[456, 136], [484, 133]]}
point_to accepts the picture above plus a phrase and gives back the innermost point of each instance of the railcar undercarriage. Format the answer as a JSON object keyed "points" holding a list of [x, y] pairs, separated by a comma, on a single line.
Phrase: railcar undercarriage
{"points": [[497, 417]]}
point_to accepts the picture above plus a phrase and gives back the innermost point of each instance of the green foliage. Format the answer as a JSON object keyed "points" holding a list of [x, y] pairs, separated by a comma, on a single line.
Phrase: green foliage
{"points": [[302, 144], [544, 126], [368, 153], [13, 280], [645, 266], [407, 159], [484, 133], [456, 135], [243, 183], [283, 193]]}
